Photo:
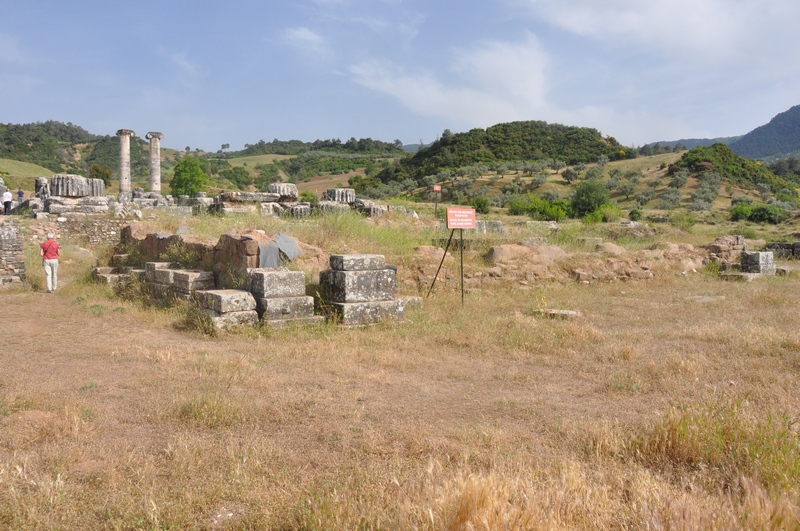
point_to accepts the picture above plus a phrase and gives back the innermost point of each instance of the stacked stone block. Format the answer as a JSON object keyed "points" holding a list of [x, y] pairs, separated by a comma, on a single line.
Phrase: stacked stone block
{"points": [[339, 195], [159, 277], [280, 297], [228, 307], [359, 289], [758, 262], [727, 248], [185, 283], [69, 185], [12, 259], [287, 192]]}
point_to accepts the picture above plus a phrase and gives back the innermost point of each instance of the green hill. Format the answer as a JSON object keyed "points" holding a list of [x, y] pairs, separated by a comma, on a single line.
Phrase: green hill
{"points": [[68, 148], [781, 136], [738, 170], [514, 141]]}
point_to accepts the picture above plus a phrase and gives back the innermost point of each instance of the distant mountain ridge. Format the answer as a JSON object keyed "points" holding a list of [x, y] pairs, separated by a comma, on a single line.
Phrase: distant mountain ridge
{"points": [[691, 143], [779, 138]]}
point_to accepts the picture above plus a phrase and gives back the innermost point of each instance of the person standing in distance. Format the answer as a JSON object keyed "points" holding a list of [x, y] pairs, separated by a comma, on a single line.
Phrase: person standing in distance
{"points": [[49, 252], [7, 198]]}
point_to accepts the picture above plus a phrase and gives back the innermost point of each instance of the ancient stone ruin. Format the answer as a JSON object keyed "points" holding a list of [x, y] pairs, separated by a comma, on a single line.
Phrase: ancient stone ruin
{"points": [[12, 259], [232, 286], [359, 289]]}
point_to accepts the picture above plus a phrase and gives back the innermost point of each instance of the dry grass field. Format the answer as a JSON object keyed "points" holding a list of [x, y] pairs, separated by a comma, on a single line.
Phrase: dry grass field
{"points": [[670, 403]]}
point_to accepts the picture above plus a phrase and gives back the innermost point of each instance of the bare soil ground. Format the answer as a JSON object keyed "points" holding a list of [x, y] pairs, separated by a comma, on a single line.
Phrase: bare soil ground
{"points": [[115, 416]]}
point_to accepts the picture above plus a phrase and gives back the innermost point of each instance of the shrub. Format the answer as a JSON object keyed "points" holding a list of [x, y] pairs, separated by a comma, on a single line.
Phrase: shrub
{"points": [[635, 214], [588, 197], [683, 221], [480, 204], [309, 197], [735, 200], [740, 212], [768, 214]]}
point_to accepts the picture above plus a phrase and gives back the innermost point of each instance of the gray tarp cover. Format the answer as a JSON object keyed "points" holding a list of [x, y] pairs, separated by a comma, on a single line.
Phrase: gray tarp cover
{"points": [[269, 252]]}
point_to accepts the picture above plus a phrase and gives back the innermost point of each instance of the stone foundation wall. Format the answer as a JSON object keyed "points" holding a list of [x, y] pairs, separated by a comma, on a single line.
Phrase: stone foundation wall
{"points": [[12, 259]]}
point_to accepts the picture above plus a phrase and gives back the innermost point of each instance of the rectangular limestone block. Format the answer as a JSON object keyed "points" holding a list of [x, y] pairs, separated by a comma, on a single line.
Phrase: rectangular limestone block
{"points": [[357, 262], [227, 320], [150, 269], [275, 283], [285, 308], [109, 278], [226, 300], [313, 320], [188, 281], [159, 291], [758, 262], [357, 286], [364, 313], [165, 276]]}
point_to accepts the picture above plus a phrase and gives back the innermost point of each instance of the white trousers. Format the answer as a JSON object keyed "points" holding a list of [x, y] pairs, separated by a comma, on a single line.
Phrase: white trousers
{"points": [[51, 273]]}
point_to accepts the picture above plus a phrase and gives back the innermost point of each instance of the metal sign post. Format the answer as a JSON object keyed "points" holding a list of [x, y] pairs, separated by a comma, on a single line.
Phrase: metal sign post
{"points": [[457, 218], [437, 188]]}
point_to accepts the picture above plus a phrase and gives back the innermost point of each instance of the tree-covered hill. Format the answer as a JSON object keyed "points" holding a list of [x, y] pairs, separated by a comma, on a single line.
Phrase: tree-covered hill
{"points": [[781, 136], [738, 170], [62, 147], [514, 141]]}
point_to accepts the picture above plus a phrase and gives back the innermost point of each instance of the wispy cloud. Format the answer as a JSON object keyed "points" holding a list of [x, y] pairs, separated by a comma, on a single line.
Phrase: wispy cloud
{"points": [[492, 82], [304, 40], [710, 30]]}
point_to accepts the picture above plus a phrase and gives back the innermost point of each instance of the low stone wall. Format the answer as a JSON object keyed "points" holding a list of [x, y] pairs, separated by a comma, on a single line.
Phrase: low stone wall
{"points": [[12, 258]]}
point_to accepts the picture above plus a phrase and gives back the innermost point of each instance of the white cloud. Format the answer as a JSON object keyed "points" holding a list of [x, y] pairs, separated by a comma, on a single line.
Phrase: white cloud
{"points": [[493, 82], [304, 39], [689, 30]]}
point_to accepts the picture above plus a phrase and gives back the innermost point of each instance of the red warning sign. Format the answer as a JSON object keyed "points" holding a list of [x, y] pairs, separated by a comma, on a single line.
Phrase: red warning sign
{"points": [[461, 218]]}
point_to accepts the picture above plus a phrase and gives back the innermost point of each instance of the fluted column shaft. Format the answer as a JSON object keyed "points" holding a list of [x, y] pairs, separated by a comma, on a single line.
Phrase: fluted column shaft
{"points": [[155, 161], [125, 159]]}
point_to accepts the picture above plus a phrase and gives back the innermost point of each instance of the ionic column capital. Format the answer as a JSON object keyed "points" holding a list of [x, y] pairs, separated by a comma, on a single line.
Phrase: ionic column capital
{"points": [[153, 134], [125, 132]]}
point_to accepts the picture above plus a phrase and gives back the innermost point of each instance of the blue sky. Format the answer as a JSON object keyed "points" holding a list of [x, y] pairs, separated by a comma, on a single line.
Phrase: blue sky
{"points": [[206, 73]]}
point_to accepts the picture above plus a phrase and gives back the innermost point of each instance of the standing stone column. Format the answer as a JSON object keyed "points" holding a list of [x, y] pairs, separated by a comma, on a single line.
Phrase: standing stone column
{"points": [[155, 160], [125, 159]]}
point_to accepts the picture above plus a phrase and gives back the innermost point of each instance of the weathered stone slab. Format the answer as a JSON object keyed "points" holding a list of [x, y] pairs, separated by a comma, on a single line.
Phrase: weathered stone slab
{"points": [[364, 313], [274, 283], [165, 276], [249, 197], [331, 207], [339, 195], [357, 262], [556, 314], [286, 191], [100, 270], [150, 269], [272, 209], [188, 281], [159, 291], [758, 262], [744, 277], [357, 286], [223, 321], [226, 300], [311, 320], [109, 278], [285, 307], [302, 210]]}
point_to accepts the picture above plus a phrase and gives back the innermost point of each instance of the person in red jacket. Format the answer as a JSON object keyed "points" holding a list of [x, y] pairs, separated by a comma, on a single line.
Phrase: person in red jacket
{"points": [[49, 252]]}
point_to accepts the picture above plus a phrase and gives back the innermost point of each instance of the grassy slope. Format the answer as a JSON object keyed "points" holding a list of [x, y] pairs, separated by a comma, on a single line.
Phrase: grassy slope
{"points": [[21, 174], [653, 410]]}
